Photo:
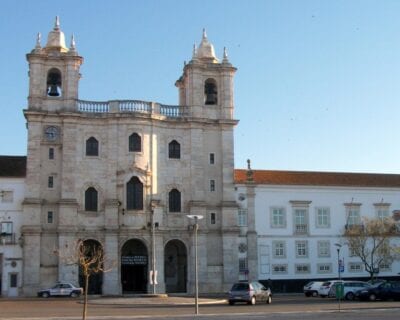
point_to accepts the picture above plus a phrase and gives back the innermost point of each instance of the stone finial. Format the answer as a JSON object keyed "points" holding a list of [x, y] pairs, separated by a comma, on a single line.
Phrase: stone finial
{"points": [[72, 47], [194, 55], [249, 172], [204, 33], [57, 24], [38, 40], [225, 58]]}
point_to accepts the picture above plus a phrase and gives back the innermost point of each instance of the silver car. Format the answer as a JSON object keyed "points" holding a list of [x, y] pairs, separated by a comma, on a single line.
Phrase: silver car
{"points": [[61, 289], [249, 292]]}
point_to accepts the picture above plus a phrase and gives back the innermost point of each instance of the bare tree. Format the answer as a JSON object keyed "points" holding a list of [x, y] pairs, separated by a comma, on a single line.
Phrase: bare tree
{"points": [[371, 242], [90, 259]]}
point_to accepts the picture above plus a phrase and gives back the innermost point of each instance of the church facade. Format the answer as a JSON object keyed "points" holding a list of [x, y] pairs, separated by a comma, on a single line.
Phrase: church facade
{"points": [[124, 176]]}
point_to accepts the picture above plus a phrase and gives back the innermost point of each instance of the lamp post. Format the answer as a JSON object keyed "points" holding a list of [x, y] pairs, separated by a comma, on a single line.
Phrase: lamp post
{"points": [[153, 275], [196, 278], [339, 246]]}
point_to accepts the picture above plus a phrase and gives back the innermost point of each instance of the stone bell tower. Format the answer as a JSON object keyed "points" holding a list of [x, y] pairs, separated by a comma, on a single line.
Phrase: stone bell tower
{"points": [[206, 91], [207, 84], [53, 91], [53, 73]]}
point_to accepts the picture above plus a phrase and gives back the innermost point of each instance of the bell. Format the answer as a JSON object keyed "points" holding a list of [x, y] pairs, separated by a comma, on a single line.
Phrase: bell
{"points": [[53, 92], [211, 98]]}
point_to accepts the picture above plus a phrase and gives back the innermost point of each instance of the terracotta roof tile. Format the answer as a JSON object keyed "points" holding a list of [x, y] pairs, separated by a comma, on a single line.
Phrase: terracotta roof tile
{"points": [[12, 166], [319, 178]]}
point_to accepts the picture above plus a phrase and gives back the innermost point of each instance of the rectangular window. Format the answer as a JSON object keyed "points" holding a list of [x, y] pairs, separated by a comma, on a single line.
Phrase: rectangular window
{"points": [[278, 218], [50, 182], [353, 216], [385, 266], [324, 268], [382, 212], [352, 251], [7, 196], [51, 153], [302, 268], [279, 268], [212, 218], [323, 218], [324, 247], [212, 158], [7, 228], [242, 218], [212, 185], [243, 265], [279, 249], [301, 249], [355, 267], [49, 216], [13, 280], [300, 221]]}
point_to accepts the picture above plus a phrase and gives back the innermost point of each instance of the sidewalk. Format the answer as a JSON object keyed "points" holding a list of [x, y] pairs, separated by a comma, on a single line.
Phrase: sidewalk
{"points": [[160, 299]]}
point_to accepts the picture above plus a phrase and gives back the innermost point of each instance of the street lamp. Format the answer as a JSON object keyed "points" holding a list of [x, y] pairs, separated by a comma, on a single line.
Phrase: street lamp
{"points": [[196, 281], [153, 225]]}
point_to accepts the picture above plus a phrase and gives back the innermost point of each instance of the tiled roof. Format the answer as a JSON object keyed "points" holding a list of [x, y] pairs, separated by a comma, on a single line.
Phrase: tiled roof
{"points": [[304, 178], [12, 166]]}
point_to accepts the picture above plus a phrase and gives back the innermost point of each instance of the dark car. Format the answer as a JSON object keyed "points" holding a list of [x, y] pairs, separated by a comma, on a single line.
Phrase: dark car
{"points": [[61, 289], [249, 292], [380, 291]]}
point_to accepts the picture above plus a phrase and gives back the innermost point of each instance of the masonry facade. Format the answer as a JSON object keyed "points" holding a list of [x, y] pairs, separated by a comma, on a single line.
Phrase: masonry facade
{"points": [[124, 175]]}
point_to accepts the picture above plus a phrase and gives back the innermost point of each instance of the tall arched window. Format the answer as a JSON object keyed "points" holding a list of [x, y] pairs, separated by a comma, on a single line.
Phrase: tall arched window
{"points": [[210, 92], [174, 150], [54, 83], [135, 143], [91, 199], [92, 147], [174, 201], [134, 194]]}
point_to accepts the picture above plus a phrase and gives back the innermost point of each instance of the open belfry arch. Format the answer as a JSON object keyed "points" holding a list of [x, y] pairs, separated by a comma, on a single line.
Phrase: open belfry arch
{"points": [[127, 174]]}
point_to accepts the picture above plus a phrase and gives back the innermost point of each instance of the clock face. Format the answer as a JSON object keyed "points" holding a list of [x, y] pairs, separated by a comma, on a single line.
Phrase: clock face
{"points": [[51, 133]]}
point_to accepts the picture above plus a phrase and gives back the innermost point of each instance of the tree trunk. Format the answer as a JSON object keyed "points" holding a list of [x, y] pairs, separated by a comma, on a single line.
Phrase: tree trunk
{"points": [[85, 299]]}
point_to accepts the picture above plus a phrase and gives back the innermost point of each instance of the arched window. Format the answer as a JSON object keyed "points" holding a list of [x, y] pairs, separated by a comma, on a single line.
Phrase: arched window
{"points": [[135, 143], [134, 194], [54, 88], [174, 201], [91, 199], [210, 92], [174, 150], [92, 147]]}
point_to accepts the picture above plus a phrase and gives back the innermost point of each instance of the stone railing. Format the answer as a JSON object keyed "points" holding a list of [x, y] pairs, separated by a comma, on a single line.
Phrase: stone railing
{"points": [[131, 106], [93, 106]]}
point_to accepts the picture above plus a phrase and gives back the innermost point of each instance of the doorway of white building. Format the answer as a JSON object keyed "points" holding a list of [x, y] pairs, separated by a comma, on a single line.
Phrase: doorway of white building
{"points": [[175, 266], [134, 267]]}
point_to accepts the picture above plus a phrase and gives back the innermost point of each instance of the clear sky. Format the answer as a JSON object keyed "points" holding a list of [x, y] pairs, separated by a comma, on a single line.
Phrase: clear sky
{"points": [[317, 86]]}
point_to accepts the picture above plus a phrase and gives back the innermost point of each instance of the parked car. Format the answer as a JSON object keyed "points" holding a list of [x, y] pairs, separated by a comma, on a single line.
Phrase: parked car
{"points": [[311, 288], [350, 287], [249, 292], [382, 291], [325, 288], [61, 289]]}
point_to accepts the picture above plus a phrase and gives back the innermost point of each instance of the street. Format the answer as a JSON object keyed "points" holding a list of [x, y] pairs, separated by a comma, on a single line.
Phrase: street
{"points": [[282, 307]]}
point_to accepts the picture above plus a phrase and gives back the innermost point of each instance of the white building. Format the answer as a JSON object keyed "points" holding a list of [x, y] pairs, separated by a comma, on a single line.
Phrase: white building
{"points": [[299, 218], [12, 188]]}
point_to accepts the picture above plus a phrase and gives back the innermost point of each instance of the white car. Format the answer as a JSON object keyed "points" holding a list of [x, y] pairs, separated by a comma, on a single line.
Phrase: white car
{"points": [[61, 289], [326, 288], [311, 288]]}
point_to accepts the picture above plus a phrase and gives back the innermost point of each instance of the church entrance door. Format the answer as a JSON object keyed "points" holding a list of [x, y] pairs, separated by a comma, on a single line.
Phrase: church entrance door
{"points": [[175, 266], [134, 267]]}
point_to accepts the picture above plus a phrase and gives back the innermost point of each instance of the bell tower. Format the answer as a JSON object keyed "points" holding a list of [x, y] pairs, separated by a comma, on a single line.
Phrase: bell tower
{"points": [[53, 73], [206, 86]]}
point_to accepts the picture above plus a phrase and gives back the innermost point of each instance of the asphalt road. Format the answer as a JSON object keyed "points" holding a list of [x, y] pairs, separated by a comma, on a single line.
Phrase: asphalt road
{"points": [[282, 307]]}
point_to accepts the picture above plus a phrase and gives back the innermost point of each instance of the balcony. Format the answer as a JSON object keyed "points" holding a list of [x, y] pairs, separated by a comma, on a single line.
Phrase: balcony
{"points": [[131, 106], [301, 229], [7, 238]]}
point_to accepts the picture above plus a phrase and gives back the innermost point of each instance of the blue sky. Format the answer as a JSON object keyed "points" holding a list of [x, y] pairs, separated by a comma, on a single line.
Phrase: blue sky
{"points": [[317, 86]]}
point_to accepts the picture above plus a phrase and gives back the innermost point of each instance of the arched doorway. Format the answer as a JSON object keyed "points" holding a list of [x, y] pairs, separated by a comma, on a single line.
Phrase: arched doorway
{"points": [[92, 247], [134, 267], [175, 266]]}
